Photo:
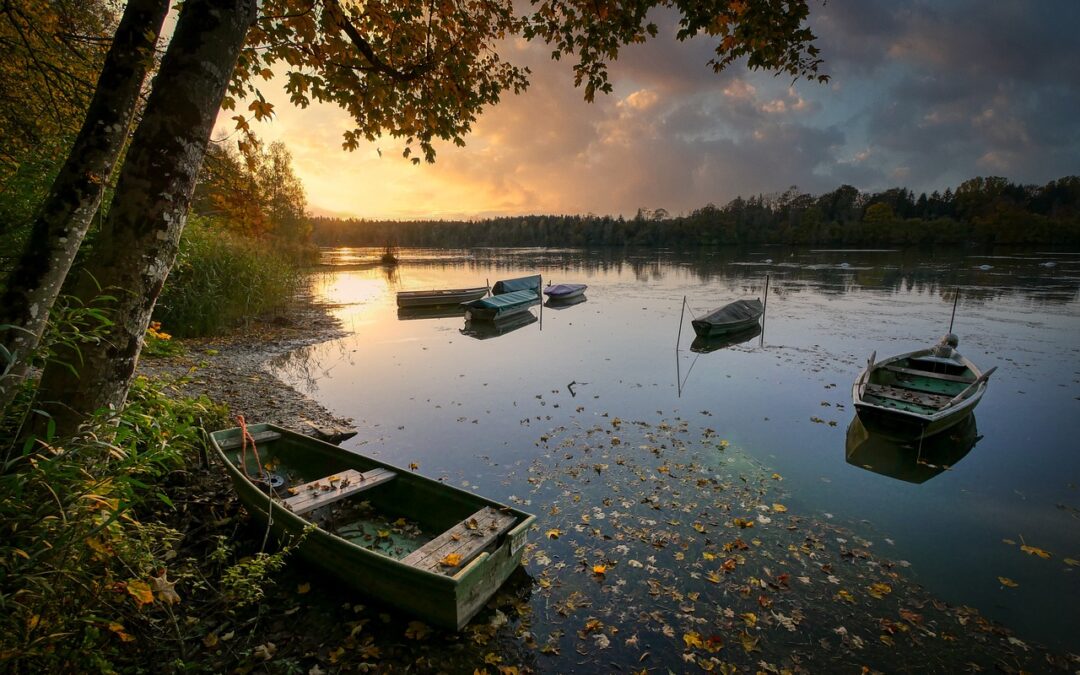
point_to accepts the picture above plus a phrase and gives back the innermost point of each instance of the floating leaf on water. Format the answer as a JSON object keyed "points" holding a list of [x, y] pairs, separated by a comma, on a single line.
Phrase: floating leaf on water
{"points": [[879, 590], [553, 533], [1031, 550], [599, 570], [1006, 581], [1072, 562], [779, 508], [692, 640]]}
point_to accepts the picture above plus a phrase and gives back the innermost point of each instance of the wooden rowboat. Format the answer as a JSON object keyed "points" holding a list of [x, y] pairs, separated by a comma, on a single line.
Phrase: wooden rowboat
{"points": [[428, 548], [434, 298], [731, 318], [919, 393]]}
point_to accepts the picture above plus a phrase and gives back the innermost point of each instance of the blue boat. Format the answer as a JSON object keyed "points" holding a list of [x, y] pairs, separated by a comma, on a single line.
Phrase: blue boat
{"points": [[531, 283], [500, 306]]}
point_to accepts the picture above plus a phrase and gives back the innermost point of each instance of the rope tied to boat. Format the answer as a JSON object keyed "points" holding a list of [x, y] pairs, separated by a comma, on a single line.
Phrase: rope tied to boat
{"points": [[245, 438]]}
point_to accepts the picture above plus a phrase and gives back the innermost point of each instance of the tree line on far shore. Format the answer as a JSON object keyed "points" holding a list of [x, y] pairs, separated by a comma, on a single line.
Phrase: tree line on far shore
{"points": [[984, 210]]}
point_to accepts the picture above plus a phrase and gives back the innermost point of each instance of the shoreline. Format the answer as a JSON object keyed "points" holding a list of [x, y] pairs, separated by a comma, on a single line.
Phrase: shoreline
{"points": [[233, 368]]}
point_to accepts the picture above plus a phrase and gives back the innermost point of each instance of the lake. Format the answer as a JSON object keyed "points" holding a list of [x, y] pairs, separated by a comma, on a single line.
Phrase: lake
{"points": [[601, 419]]}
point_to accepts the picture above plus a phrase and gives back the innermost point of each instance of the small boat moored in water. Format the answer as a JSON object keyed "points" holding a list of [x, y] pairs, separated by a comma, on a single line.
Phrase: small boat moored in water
{"points": [[919, 393], [434, 298], [529, 283], [560, 292], [500, 306], [733, 317], [416, 543]]}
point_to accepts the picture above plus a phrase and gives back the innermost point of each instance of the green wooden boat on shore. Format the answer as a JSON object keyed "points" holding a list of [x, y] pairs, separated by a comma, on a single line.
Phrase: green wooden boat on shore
{"points": [[423, 546]]}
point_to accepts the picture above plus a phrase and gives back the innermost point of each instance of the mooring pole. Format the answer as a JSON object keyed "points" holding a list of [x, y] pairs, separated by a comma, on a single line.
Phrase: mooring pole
{"points": [[764, 305], [956, 298], [682, 311]]}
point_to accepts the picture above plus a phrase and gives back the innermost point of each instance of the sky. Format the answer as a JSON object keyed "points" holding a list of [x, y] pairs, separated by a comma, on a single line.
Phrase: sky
{"points": [[922, 95]]}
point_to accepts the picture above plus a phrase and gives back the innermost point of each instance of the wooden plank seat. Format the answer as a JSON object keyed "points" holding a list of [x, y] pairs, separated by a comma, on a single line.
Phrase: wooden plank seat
{"points": [[262, 436], [467, 539], [932, 401], [927, 373], [317, 493]]}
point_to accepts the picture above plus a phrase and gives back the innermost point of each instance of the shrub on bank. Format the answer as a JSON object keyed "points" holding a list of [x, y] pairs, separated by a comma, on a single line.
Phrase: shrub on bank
{"points": [[81, 571], [220, 279]]}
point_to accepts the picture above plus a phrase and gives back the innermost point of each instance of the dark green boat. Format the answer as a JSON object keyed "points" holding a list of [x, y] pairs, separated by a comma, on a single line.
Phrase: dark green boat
{"points": [[920, 393], [421, 545]]}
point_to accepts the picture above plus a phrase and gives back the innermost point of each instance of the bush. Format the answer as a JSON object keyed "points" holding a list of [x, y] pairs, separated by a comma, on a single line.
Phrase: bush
{"points": [[81, 574], [220, 279]]}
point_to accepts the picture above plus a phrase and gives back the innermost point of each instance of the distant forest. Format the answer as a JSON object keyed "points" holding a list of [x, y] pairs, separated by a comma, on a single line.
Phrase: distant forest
{"points": [[984, 211]]}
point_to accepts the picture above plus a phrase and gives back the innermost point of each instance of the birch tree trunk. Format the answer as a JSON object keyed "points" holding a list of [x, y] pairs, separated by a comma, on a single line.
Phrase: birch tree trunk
{"points": [[75, 195], [141, 233]]}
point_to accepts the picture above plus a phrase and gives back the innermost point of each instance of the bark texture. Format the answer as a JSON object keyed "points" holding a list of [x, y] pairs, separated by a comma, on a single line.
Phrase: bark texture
{"points": [[75, 195], [141, 234]]}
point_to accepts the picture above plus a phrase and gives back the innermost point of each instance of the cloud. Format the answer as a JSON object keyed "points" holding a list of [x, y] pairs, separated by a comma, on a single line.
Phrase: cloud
{"points": [[922, 94]]}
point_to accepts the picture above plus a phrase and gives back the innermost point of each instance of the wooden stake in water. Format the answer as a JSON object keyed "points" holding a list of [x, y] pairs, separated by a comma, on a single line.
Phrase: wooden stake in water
{"points": [[956, 297], [764, 305], [682, 311]]}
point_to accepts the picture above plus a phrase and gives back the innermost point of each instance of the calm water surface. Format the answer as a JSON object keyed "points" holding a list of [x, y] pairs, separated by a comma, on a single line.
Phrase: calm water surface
{"points": [[477, 410]]}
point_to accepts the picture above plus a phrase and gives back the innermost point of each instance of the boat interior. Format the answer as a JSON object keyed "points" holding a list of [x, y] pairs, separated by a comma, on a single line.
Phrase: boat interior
{"points": [[922, 384]]}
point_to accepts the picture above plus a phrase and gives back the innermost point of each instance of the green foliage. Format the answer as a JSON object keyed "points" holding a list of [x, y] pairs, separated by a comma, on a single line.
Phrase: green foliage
{"points": [[220, 279], [244, 582], [81, 574]]}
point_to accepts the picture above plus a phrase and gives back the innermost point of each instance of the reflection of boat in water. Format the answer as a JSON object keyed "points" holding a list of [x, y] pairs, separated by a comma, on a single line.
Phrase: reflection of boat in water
{"points": [[438, 312], [913, 460], [704, 345], [553, 303], [920, 393], [482, 330], [731, 318]]}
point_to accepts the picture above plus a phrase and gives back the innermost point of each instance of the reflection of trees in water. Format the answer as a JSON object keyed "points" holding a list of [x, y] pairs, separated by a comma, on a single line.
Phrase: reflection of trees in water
{"points": [[832, 272], [303, 369]]}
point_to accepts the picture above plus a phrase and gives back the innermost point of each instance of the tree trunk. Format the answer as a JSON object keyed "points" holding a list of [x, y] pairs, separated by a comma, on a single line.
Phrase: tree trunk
{"points": [[75, 195], [141, 234]]}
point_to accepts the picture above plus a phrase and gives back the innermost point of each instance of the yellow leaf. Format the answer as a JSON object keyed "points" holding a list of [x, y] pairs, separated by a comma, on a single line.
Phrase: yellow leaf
{"points": [[384, 534], [140, 590], [779, 508], [118, 628], [553, 533], [303, 588], [492, 658], [713, 576], [414, 466], [1072, 562], [740, 522], [750, 618], [451, 560], [1031, 550], [887, 640], [699, 527], [708, 556], [417, 630], [692, 640], [1006, 581], [879, 590], [599, 569], [777, 476], [845, 596]]}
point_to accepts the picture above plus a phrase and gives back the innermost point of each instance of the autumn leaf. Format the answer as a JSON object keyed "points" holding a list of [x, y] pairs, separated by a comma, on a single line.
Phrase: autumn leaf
{"points": [[140, 590], [417, 630], [845, 596], [1072, 562], [742, 523], [303, 588], [699, 527], [384, 534], [599, 570], [553, 533], [779, 508], [713, 576], [414, 466], [692, 640], [749, 642], [165, 589], [492, 658], [1031, 550], [879, 590], [118, 628], [451, 560], [1006, 581], [708, 556]]}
